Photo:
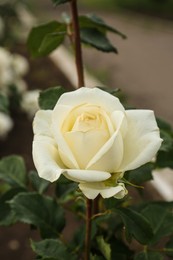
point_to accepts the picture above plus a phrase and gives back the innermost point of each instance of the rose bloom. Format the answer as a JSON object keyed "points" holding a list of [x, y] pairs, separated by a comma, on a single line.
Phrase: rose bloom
{"points": [[91, 139]]}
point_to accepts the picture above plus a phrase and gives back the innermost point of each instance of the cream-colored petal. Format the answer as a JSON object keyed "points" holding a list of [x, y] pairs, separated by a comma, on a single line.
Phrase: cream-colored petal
{"points": [[85, 145], [117, 192], [94, 96], [58, 115], [86, 175], [142, 140], [119, 121], [109, 156], [46, 158], [42, 122], [92, 190]]}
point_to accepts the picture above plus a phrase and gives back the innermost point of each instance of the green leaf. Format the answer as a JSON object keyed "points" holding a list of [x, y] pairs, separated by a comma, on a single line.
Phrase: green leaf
{"points": [[96, 39], [93, 21], [51, 249], [161, 220], [13, 171], [50, 42], [65, 189], [104, 247], [49, 97], [120, 250], [169, 247], [136, 225], [4, 104], [59, 2], [149, 256], [7, 216], [140, 175], [164, 159], [45, 38], [40, 211], [38, 183]]}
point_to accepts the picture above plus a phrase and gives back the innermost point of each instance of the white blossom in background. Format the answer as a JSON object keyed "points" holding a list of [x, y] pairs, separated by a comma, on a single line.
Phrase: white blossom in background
{"points": [[6, 125], [20, 65], [12, 68], [6, 75], [30, 102]]}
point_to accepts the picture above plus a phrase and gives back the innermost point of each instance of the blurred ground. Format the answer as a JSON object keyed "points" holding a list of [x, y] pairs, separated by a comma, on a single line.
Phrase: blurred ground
{"points": [[143, 69]]}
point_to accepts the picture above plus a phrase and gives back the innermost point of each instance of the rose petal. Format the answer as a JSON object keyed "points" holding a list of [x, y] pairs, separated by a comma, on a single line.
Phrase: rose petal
{"points": [[86, 175], [92, 96], [142, 140], [92, 190], [46, 158], [58, 115], [119, 121], [42, 122], [85, 145]]}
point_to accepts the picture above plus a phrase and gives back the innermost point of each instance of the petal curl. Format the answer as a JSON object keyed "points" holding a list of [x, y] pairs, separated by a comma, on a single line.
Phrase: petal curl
{"points": [[46, 158], [142, 140], [94, 96], [86, 175], [42, 122], [92, 190]]}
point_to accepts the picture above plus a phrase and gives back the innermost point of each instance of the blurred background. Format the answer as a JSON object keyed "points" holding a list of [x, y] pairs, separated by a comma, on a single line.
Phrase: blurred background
{"points": [[142, 70]]}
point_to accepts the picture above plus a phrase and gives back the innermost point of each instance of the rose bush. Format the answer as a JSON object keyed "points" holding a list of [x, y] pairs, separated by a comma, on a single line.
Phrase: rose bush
{"points": [[91, 139]]}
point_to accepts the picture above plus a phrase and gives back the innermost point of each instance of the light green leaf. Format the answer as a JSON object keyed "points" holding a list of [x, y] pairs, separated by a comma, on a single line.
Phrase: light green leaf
{"points": [[104, 247], [149, 256], [59, 2], [51, 249], [49, 97], [136, 225], [96, 39], [161, 220], [40, 211], [38, 183], [13, 171], [45, 38]]}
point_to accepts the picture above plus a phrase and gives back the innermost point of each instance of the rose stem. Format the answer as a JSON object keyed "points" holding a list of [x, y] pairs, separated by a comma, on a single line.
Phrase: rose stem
{"points": [[77, 43], [88, 228], [80, 74]]}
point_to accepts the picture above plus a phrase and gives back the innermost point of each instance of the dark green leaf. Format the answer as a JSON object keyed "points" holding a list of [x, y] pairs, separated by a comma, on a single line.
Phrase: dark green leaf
{"points": [[104, 247], [65, 189], [96, 39], [120, 250], [49, 97], [13, 171], [93, 21], [50, 42], [51, 249], [4, 104], [59, 2], [45, 38], [163, 125], [136, 225], [7, 216], [164, 159], [161, 220], [39, 211], [169, 247], [38, 183], [140, 175], [149, 256]]}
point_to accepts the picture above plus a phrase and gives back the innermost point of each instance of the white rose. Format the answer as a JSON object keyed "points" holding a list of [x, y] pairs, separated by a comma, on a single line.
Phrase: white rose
{"points": [[91, 139], [6, 125]]}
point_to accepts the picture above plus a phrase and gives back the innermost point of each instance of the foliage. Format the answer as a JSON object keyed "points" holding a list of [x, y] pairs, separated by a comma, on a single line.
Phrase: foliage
{"points": [[116, 224]]}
